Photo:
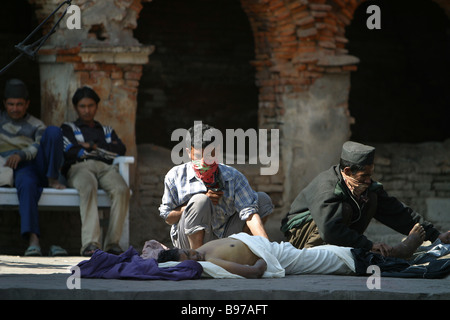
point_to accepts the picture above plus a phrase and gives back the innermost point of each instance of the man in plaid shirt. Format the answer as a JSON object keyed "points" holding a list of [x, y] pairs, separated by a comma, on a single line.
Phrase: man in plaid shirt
{"points": [[205, 200]]}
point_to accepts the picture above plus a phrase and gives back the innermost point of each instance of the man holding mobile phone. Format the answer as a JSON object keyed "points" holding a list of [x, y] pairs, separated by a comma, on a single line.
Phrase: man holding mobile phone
{"points": [[205, 200]]}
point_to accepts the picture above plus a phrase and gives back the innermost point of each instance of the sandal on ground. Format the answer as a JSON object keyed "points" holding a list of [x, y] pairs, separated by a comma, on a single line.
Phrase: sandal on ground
{"points": [[115, 249], [33, 251], [57, 251], [89, 251]]}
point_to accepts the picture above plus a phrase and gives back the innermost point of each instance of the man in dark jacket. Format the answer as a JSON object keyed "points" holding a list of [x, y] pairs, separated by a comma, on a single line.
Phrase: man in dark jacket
{"points": [[89, 151], [338, 205]]}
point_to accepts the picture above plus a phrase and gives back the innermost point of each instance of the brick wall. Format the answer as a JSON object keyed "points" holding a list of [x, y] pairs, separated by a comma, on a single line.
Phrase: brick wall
{"points": [[415, 174], [296, 42]]}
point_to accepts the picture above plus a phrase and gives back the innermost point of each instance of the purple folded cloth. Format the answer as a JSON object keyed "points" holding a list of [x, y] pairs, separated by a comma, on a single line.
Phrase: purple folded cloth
{"points": [[129, 265]]}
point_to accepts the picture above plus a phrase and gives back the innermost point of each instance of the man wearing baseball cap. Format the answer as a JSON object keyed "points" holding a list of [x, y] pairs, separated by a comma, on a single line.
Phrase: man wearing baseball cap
{"points": [[338, 205]]}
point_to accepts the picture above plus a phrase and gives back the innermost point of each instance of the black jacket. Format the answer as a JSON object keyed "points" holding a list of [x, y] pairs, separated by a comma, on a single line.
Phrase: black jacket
{"points": [[322, 200], [74, 152]]}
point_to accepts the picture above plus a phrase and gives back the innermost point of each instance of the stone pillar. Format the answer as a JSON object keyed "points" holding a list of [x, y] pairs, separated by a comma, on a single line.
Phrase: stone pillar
{"points": [[303, 75], [113, 72], [103, 54]]}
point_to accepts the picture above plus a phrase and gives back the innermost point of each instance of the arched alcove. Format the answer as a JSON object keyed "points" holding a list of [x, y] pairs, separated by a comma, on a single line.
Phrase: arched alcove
{"points": [[399, 92], [17, 20], [200, 69]]}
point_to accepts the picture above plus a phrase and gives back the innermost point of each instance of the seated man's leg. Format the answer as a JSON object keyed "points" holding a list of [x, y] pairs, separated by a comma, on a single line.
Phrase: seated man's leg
{"points": [[236, 225], [308, 236], [50, 157], [113, 183], [29, 192], [82, 176], [305, 236], [193, 229]]}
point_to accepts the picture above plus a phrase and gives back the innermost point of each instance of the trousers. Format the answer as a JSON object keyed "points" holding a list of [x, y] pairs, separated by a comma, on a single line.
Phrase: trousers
{"points": [[197, 216], [307, 235], [87, 176], [30, 177]]}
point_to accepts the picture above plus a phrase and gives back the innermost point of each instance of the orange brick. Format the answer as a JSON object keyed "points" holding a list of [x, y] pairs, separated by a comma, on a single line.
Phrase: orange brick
{"points": [[99, 74], [275, 4], [349, 68], [74, 50], [133, 75], [333, 69], [70, 58], [83, 76]]}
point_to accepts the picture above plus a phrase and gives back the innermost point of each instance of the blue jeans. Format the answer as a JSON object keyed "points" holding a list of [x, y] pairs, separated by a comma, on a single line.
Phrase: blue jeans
{"points": [[30, 177]]}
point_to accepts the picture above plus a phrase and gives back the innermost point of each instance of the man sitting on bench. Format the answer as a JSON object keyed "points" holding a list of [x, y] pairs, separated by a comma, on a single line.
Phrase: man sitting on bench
{"points": [[89, 151], [31, 156]]}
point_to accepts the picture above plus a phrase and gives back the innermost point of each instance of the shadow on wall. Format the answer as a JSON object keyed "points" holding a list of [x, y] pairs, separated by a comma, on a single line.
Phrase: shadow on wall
{"points": [[200, 69], [400, 89]]}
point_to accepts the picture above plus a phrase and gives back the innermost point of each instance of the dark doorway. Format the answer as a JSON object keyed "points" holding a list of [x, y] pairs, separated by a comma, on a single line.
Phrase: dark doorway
{"points": [[400, 92], [17, 20], [200, 69]]}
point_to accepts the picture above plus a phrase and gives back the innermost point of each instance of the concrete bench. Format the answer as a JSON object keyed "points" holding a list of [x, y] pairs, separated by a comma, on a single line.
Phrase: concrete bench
{"points": [[69, 199]]}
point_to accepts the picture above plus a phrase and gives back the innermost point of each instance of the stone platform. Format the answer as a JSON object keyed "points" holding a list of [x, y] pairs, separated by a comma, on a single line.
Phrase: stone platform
{"points": [[45, 278]]}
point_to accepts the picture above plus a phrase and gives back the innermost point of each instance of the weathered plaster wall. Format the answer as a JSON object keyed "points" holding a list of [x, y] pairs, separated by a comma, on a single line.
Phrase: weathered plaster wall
{"points": [[102, 54], [315, 126]]}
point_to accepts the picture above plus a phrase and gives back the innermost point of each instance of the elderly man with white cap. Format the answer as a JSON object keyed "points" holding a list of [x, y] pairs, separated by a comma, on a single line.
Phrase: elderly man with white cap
{"points": [[338, 205]]}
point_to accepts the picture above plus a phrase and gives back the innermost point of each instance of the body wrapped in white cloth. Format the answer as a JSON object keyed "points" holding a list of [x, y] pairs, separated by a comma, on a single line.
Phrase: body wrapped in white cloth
{"points": [[284, 259]]}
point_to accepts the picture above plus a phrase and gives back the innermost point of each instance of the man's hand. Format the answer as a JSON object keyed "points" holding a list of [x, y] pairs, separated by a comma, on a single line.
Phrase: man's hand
{"points": [[382, 248], [445, 237], [175, 215], [88, 146], [13, 161], [214, 196], [261, 267]]}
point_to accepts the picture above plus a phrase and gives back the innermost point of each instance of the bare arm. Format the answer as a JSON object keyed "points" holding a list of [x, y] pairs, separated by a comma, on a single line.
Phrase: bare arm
{"points": [[255, 224], [175, 215], [246, 271]]}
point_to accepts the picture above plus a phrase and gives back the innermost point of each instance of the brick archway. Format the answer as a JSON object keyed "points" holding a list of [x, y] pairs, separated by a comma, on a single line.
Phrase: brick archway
{"points": [[301, 65], [303, 72], [297, 42], [199, 71]]}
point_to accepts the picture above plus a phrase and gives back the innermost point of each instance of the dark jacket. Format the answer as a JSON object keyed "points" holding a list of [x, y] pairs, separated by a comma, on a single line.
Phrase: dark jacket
{"points": [[74, 152], [323, 200]]}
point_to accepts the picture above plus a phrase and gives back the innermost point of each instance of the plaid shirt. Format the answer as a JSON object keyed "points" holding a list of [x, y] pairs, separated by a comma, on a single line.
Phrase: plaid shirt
{"points": [[181, 183]]}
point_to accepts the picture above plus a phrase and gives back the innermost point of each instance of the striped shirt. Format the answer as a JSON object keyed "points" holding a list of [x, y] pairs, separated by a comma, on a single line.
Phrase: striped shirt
{"points": [[181, 183], [20, 137]]}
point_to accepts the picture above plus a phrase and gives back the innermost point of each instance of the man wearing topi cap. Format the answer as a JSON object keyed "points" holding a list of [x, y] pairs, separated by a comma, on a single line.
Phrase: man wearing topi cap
{"points": [[338, 205]]}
